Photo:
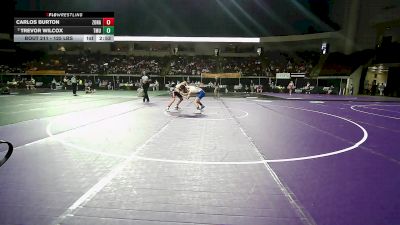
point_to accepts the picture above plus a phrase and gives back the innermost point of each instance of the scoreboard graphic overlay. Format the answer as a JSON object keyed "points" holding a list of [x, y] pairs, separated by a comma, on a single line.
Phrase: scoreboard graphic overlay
{"points": [[39, 26]]}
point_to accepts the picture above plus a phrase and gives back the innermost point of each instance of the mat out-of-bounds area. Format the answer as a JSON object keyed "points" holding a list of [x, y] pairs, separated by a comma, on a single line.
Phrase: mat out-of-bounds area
{"points": [[110, 158]]}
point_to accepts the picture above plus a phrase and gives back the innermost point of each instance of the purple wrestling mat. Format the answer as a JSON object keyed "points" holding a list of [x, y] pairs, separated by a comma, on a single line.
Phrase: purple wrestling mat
{"points": [[242, 161]]}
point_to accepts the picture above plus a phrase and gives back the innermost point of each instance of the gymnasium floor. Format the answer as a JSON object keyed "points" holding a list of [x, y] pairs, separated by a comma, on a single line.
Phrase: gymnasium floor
{"points": [[109, 158]]}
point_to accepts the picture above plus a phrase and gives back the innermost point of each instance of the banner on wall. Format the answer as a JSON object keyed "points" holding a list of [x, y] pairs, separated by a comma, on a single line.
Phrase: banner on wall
{"points": [[45, 72], [297, 75], [220, 75], [282, 75]]}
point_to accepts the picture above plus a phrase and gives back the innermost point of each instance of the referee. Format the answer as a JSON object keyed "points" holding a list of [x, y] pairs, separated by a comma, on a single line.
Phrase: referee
{"points": [[145, 85], [74, 83]]}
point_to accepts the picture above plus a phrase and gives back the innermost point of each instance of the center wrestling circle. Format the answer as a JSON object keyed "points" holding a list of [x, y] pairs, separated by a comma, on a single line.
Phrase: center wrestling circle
{"points": [[262, 161]]}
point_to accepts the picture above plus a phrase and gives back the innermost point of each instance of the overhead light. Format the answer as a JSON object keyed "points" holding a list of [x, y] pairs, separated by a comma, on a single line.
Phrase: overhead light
{"points": [[373, 68], [187, 39]]}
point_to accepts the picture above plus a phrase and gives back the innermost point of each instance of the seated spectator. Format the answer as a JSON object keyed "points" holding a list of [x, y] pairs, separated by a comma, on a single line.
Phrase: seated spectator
{"points": [[330, 89], [259, 89]]}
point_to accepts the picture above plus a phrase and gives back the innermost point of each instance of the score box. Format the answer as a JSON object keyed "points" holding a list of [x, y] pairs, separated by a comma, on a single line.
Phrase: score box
{"points": [[108, 21], [44, 26], [108, 30], [104, 38]]}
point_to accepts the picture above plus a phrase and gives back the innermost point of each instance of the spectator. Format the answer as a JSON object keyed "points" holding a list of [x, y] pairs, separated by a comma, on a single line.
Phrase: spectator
{"points": [[307, 88], [246, 88], [110, 86], [65, 82], [373, 88], [156, 86], [291, 87], [366, 87], [216, 90], [381, 88], [330, 89], [81, 83], [53, 84], [259, 89], [351, 89]]}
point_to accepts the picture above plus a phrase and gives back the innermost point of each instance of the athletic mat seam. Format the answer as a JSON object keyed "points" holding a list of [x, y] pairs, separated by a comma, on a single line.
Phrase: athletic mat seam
{"points": [[304, 216]]}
